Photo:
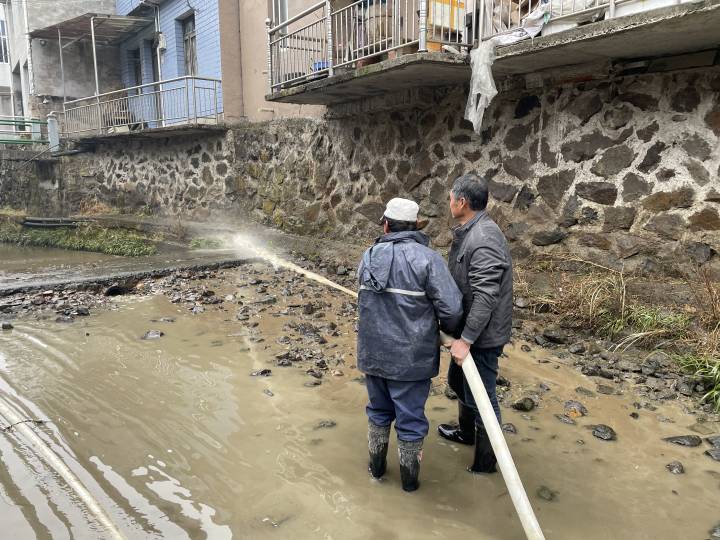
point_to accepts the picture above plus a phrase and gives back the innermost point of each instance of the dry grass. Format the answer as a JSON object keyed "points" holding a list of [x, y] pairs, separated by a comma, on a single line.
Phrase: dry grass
{"points": [[93, 207]]}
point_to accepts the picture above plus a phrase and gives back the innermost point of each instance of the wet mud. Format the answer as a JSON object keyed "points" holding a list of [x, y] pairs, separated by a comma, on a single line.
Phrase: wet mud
{"points": [[241, 415]]}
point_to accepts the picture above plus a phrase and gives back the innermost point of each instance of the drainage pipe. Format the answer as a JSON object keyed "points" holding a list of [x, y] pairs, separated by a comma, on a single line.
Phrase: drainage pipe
{"points": [[502, 452]]}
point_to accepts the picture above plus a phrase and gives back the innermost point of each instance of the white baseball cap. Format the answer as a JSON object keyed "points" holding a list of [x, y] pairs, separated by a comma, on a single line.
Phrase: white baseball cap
{"points": [[401, 210]]}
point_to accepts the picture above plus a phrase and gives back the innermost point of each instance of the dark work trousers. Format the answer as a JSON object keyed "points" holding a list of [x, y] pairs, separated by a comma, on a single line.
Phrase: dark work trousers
{"points": [[401, 401], [486, 361]]}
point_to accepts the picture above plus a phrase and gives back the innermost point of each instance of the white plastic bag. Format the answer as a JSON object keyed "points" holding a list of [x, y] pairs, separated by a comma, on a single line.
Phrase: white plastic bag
{"points": [[482, 84]]}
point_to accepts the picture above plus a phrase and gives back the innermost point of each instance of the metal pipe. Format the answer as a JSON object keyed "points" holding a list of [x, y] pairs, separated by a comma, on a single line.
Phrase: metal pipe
{"points": [[299, 16], [328, 22], [62, 65], [94, 47], [422, 46], [269, 56]]}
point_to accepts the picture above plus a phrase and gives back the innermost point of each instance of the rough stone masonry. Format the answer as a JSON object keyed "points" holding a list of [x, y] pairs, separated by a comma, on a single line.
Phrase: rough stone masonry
{"points": [[624, 171]]}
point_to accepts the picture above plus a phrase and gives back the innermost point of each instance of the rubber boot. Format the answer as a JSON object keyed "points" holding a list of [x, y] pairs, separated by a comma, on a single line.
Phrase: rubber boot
{"points": [[484, 461], [410, 454], [464, 433], [378, 439]]}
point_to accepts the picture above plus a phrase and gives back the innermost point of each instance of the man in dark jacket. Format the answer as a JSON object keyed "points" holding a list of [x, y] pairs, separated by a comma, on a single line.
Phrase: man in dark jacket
{"points": [[405, 289], [480, 263]]}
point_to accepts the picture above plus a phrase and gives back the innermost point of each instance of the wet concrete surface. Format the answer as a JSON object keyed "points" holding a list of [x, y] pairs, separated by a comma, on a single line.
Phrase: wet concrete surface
{"points": [[174, 438]]}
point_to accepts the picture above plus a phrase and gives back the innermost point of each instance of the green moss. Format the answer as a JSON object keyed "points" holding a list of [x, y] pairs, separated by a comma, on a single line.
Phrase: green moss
{"points": [[83, 238], [206, 243]]}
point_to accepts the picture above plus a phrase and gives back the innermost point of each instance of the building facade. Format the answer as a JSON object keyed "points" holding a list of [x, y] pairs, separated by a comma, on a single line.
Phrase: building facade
{"points": [[6, 99]]}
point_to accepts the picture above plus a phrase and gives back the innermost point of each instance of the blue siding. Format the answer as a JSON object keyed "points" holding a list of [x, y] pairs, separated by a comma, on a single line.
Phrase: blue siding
{"points": [[172, 12]]}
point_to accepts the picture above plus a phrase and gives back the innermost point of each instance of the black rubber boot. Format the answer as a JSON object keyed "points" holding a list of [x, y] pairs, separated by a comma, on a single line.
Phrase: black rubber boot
{"points": [[378, 439], [410, 454], [484, 461], [464, 432]]}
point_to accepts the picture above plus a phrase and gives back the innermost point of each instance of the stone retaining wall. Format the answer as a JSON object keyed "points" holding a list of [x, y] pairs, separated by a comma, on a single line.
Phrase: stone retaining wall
{"points": [[625, 172]]}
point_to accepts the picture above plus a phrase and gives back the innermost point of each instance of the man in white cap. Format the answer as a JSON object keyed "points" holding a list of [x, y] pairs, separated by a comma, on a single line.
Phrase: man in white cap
{"points": [[405, 289]]}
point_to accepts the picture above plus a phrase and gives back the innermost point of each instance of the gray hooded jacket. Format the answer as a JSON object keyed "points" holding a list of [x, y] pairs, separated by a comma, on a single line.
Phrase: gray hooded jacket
{"points": [[405, 289]]}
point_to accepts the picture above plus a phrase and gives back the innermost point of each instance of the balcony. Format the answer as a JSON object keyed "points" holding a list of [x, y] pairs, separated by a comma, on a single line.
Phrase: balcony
{"points": [[182, 105], [335, 53]]}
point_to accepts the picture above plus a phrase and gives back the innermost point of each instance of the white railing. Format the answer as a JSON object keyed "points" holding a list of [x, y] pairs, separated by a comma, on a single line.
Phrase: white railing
{"points": [[173, 102], [315, 42]]}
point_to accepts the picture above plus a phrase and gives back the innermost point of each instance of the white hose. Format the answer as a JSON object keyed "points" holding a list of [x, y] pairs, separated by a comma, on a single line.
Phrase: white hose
{"points": [[52, 459], [502, 452]]}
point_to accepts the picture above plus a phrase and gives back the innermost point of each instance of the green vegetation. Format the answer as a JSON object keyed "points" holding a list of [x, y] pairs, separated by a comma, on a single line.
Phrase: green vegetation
{"points": [[708, 370], [206, 243], [82, 238]]}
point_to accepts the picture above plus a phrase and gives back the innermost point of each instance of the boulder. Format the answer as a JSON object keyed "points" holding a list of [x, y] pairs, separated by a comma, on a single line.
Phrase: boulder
{"points": [[552, 187], [599, 192], [665, 200], [613, 161]]}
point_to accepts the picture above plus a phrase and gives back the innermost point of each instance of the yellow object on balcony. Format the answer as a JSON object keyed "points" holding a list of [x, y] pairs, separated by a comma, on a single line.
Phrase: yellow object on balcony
{"points": [[446, 15]]}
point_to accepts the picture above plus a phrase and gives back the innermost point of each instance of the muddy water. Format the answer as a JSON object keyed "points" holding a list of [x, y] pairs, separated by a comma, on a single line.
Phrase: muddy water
{"points": [[174, 439]]}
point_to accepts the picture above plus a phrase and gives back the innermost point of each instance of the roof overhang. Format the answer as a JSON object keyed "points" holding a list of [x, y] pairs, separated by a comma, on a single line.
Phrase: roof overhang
{"points": [[109, 29]]}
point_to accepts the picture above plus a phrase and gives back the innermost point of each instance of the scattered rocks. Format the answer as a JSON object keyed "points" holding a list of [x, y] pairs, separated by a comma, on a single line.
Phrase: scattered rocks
{"points": [[684, 440], [565, 419], [509, 428], [675, 467], [525, 348], [6, 325], [555, 335], [713, 441], [604, 432], [547, 494], [261, 373], [525, 404], [714, 453], [153, 334], [575, 409], [325, 424], [577, 348]]}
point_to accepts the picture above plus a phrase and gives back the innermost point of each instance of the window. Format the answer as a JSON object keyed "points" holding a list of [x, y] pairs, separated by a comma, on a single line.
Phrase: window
{"points": [[190, 45], [4, 50]]}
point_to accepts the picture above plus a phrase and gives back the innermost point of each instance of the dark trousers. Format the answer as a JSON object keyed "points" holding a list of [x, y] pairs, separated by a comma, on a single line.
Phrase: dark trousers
{"points": [[401, 401], [486, 361]]}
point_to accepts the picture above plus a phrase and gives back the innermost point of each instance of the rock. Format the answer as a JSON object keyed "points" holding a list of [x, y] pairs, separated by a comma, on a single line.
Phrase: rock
{"points": [[697, 171], [525, 198], [652, 157], [613, 161], [599, 192], [628, 366], [617, 117], [713, 441], [715, 531], [341, 271], [509, 428], [547, 238], [586, 147], [594, 240], [634, 415], [525, 404], [696, 147], [666, 200], [501, 191], [675, 467], [64, 319], [575, 409], [502, 381], [604, 432], [648, 132], [315, 373], [699, 252], [325, 424], [522, 302], [619, 218], [707, 219], [606, 389], [643, 102], [540, 340], [714, 453], [263, 300], [712, 196], [449, 392], [114, 290], [584, 392], [546, 494], [82, 311], [634, 187], [552, 187], [153, 334], [312, 383], [684, 440], [261, 373], [577, 348], [518, 167], [268, 392], [7, 326], [667, 225], [565, 419], [555, 335], [525, 348]]}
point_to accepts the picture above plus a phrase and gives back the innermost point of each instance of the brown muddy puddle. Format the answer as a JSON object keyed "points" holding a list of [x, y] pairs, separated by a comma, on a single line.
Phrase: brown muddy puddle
{"points": [[174, 439]]}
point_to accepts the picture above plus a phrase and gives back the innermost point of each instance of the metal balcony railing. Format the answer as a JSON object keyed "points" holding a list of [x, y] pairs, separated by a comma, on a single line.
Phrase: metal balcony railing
{"points": [[21, 130], [315, 42], [173, 102]]}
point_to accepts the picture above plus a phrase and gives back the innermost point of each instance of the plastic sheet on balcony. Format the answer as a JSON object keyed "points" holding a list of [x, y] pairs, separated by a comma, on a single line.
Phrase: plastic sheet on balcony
{"points": [[482, 84]]}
